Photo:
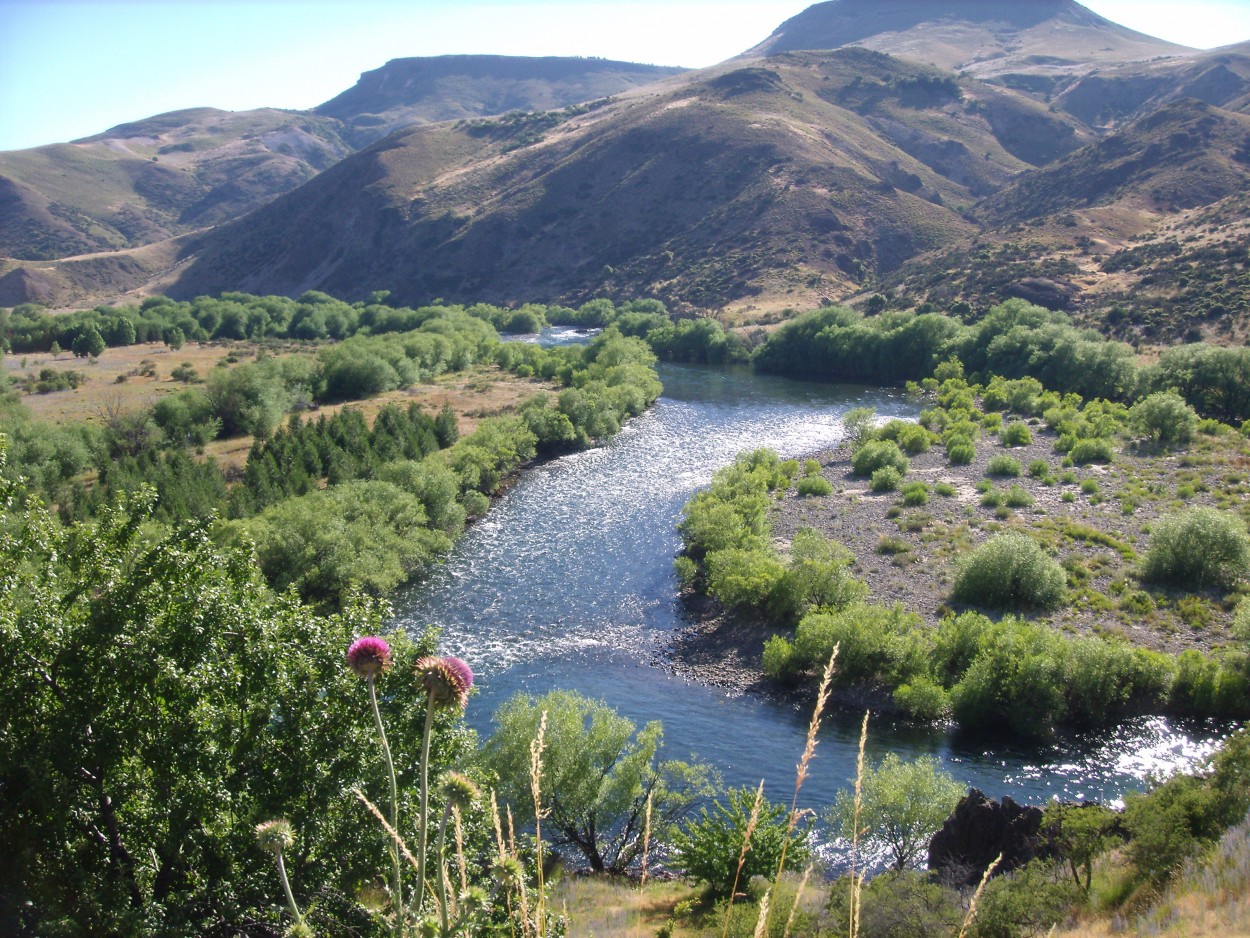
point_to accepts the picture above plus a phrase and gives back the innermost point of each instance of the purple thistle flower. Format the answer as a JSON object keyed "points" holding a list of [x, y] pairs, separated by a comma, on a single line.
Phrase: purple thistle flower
{"points": [[369, 656], [447, 680]]}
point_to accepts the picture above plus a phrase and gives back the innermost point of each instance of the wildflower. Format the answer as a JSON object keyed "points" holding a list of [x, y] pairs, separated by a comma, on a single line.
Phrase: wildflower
{"points": [[369, 656], [447, 680], [459, 789], [275, 835]]}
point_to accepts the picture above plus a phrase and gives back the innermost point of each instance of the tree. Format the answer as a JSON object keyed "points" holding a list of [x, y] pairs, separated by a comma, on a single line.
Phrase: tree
{"points": [[175, 338], [597, 774], [1164, 419], [157, 703], [88, 343], [903, 803]]}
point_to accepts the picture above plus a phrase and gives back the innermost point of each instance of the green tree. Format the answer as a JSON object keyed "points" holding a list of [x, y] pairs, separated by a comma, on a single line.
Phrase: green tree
{"points": [[1164, 419], [158, 702], [598, 772], [88, 343], [902, 804]]}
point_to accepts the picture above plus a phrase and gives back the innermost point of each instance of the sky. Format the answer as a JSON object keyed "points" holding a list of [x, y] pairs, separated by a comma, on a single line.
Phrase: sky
{"points": [[72, 68]]}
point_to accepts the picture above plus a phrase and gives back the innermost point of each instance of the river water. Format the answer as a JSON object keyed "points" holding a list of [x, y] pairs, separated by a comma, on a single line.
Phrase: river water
{"points": [[568, 583]]}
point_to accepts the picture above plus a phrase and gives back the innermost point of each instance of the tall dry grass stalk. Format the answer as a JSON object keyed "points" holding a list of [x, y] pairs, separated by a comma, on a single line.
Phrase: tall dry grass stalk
{"points": [[761, 923], [396, 839], [798, 897], [976, 896], [536, 785], [752, 821], [857, 879]]}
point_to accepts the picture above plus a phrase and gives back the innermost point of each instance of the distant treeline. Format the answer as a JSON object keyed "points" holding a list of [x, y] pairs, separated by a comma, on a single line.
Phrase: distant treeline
{"points": [[1015, 339], [332, 503]]}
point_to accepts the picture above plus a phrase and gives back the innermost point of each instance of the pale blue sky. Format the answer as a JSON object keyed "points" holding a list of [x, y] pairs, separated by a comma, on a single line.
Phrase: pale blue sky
{"points": [[71, 68]]}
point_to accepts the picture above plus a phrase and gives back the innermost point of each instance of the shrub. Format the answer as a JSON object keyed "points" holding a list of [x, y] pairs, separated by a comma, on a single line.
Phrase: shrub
{"points": [[1039, 469], [857, 426], [915, 493], [1199, 547], [914, 439], [961, 453], [875, 642], [1010, 571], [886, 479], [1017, 497], [1089, 486], [1016, 433], [814, 485], [945, 489], [1015, 681], [706, 848], [1028, 901], [742, 578], [1164, 419], [1003, 466], [924, 701], [877, 455], [1084, 452]]}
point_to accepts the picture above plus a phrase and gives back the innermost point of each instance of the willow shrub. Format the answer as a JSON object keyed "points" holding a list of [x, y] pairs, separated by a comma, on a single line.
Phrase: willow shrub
{"points": [[878, 454], [1200, 547], [1010, 571]]}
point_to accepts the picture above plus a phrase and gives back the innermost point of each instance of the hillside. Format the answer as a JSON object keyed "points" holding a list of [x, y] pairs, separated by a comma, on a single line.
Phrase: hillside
{"points": [[167, 175], [152, 179], [984, 37], [802, 175], [771, 182]]}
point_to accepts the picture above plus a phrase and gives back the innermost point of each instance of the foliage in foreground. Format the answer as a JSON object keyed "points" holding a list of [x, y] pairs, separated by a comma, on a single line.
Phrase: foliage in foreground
{"points": [[160, 702]]}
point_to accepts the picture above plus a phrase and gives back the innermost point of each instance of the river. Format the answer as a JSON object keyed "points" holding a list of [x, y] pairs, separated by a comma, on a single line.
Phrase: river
{"points": [[568, 582]]}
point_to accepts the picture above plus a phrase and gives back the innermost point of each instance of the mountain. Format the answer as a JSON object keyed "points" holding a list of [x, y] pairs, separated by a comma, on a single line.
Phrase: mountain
{"points": [[145, 181], [1061, 164], [984, 37], [411, 91], [156, 178], [802, 175]]}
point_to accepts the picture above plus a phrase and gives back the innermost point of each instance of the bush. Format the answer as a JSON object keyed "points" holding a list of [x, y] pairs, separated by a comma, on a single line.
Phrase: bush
{"points": [[1039, 469], [706, 848], [1017, 497], [961, 452], [1163, 419], [886, 479], [1200, 547], [742, 578], [1003, 466], [914, 439], [915, 493], [1084, 452], [1010, 571], [924, 701], [877, 455], [814, 485], [1016, 433], [946, 490]]}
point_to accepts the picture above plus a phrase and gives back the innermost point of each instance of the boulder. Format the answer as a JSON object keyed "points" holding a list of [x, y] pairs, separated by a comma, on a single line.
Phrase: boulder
{"points": [[978, 831]]}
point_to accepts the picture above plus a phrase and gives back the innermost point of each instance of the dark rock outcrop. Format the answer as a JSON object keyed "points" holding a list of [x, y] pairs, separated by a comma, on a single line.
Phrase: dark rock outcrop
{"points": [[978, 831]]}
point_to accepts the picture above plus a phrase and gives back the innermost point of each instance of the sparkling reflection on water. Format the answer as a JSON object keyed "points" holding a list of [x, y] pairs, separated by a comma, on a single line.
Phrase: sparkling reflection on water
{"points": [[568, 583]]}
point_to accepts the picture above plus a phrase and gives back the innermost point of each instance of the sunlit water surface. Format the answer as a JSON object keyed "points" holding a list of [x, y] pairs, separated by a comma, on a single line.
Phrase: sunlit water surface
{"points": [[568, 582]]}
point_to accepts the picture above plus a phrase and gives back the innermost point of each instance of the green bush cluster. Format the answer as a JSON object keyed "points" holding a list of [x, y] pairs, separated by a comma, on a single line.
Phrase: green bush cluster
{"points": [[877, 455], [1010, 571], [1199, 547]]}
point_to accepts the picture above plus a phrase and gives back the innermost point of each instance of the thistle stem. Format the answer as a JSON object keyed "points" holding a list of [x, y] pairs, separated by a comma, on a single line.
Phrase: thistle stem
{"points": [[286, 887], [390, 771], [443, 885], [423, 827]]}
